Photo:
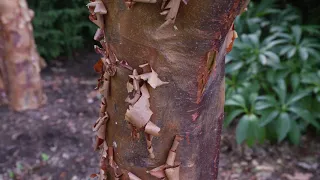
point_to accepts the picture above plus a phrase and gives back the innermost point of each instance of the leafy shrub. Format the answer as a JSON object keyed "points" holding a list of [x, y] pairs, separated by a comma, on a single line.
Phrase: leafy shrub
{"points": [[61, 26], [273, 76]]}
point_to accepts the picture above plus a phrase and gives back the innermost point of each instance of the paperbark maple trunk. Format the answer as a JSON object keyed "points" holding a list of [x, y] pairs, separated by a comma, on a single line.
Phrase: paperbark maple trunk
{"points": [[19, 61], [188, 54], [3, 95]]}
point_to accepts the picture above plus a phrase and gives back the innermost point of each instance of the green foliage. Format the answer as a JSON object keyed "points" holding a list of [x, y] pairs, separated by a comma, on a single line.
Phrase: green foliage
{"points": [[11, 174], [44, 157], [60, 27], [273, 76]]}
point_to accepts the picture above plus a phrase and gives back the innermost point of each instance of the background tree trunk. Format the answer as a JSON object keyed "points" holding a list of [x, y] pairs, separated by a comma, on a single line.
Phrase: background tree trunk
{"points": [[3, 96], [188, 54], [19, 66]]}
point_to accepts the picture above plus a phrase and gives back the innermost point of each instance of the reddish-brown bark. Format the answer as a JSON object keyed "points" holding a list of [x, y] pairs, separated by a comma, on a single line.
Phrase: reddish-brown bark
{"points": [[187, 52], [3, 95], [19, 61]]}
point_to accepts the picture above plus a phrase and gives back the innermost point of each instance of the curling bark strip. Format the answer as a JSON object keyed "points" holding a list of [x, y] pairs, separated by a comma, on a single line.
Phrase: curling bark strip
{"points": [[194, 35]]}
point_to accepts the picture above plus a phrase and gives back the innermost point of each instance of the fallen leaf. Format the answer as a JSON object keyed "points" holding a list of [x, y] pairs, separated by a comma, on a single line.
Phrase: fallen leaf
{"points": [[298, 176], [45, 117], [307, 166], [264, 168], [44, 157]]}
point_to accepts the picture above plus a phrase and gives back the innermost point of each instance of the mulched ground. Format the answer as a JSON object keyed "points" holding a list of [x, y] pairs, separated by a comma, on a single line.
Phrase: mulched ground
{"points": [[55, 141]]}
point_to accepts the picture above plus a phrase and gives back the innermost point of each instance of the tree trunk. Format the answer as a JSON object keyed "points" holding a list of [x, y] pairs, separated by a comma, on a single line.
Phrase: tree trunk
{"points": [[19, 66], [188, 52], [3, 96]]}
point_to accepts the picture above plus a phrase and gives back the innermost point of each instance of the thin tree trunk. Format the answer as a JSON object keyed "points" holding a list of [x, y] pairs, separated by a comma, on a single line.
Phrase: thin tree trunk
{"points": [[20, 60], [187, 52], [3, 96]]}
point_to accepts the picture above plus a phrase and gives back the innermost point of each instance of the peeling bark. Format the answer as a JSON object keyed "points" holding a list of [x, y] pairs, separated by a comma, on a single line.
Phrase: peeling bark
{"points": [[185, 51], [20, 63]]}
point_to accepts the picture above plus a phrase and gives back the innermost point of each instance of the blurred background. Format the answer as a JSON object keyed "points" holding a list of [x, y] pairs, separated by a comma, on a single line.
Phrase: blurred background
{"points": [[272, 120]]}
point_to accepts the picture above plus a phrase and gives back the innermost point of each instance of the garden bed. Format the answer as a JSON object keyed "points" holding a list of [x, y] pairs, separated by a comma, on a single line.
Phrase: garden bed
{"points": [[56, 142]]}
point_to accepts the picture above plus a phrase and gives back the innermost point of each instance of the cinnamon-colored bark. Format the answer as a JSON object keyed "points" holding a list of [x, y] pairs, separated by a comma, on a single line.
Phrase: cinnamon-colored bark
{"points": [[3, 95], [19, 61], [186, 48]]}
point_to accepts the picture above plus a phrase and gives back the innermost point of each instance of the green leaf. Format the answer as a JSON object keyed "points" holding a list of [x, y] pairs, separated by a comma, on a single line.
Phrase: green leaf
{"points": [[267, 117], [268, 98], [242, 129], [254, 132], [261, 105], [297, 96], [283, 126], [312, 29], [272, 56], [314, 53], [11, 174], [305, 115], [230, 116], [232, 102], [297, 33], [281, 94], [282, 85], [240, 99], [254, 38], [44, 157], [291, 53], [252, 98], [303, 53], [274, 43], [294, 133], [19, 166], [262, 59], [295, 81], [259, 132], [309, 78], [285, 49], [231, 67]]}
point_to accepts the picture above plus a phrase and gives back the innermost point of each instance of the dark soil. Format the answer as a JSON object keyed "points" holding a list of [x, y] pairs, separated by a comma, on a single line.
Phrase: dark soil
{"points": [[55, 141]]}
